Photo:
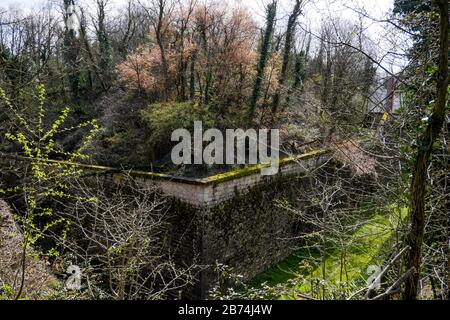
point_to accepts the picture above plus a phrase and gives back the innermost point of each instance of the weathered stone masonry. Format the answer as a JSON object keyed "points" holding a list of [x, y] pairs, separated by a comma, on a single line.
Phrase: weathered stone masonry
{"points": [[234, 219], [231, 218]]}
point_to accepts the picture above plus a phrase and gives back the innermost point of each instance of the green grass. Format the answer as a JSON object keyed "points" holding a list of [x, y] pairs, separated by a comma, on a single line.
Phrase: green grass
{"points": [[370, 244], [285, 270]]}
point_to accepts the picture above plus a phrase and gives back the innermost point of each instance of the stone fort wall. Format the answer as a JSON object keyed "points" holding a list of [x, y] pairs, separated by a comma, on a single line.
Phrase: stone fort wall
{"points": [[232, 218]]}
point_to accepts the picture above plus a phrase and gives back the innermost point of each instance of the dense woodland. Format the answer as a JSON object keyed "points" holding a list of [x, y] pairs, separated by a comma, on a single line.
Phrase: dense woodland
{"points": [[96, 83]]}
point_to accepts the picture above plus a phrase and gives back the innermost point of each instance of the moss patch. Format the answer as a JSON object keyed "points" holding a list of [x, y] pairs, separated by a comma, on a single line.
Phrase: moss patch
{"points": [[215, 179], [370, 244], [227, 176], [285, 270]]}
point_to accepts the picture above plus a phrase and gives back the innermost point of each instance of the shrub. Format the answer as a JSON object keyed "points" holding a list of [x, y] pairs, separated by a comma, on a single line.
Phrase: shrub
{"points": [[164, 118]]}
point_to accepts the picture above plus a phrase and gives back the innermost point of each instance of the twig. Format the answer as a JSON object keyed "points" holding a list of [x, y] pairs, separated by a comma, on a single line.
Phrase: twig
{"points": [[395, 288], [382, 273]]}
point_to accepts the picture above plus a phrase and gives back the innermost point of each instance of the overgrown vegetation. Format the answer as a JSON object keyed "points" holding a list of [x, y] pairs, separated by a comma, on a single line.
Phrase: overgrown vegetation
{"points": [[99, 83]]}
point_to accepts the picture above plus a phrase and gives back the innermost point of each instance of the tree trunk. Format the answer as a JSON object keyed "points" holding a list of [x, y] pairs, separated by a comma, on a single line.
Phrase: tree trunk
{"points": [[263, 57], [418, 184], [160, 41], [286, 54], [192, 77]]}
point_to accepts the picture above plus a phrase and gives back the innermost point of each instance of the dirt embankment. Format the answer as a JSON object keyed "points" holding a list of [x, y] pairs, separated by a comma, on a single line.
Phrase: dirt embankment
{"points": [[39, 283]]}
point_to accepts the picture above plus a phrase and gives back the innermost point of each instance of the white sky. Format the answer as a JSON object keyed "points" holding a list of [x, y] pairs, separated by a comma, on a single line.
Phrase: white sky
{"points": [[257, 6], [315, 11]]}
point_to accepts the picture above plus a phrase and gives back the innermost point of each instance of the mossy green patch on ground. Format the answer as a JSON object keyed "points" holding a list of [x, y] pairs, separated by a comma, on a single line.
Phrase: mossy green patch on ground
{"points": [[285, 270], [345, 268]]}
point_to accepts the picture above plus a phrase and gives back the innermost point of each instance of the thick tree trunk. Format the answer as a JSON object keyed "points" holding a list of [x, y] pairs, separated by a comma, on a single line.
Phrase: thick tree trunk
{"points": [[418, 184], [263, 57], [105, 62], [160, 41], [286, 54], [71, 51]]}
